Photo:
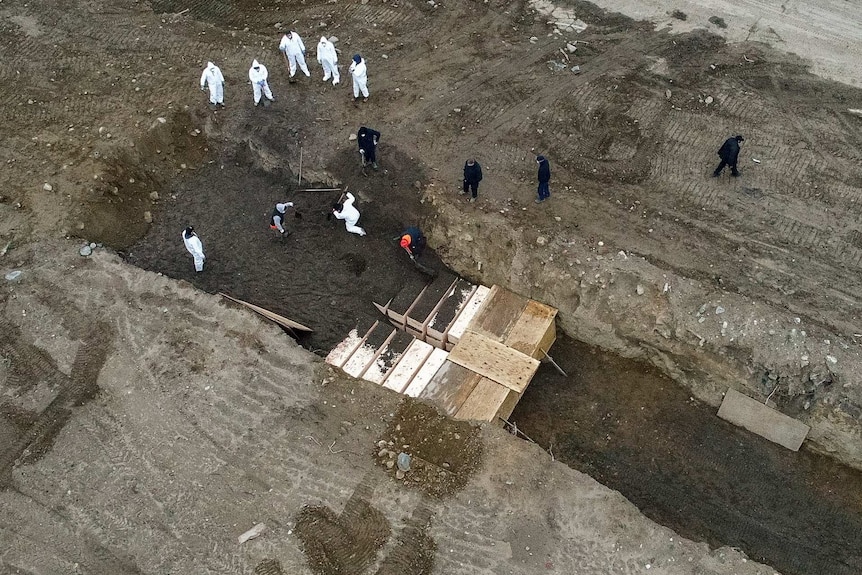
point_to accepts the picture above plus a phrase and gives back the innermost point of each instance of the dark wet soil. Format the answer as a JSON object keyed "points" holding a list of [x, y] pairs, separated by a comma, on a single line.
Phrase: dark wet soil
{"points": [[321, 275], [636, 431]]}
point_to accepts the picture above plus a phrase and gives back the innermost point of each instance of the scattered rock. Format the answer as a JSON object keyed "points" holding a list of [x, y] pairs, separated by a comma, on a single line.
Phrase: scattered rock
{"points": [[85, 251], [48, 187], [571, 48], [719, 309], [13, 275], [148, 217], [80, 225], [533, 39], [576, 69], [541, 240], [154, 196], [709, 100], [161, 120], [832, 359], [390, 464], [558, 219], [399, 474], [352, 137], [668, 94], [640, 289], [333, 39], [403, 461]]}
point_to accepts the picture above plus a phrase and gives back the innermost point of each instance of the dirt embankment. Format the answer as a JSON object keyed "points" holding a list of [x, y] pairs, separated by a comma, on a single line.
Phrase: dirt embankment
{"points": [[707, 339]]}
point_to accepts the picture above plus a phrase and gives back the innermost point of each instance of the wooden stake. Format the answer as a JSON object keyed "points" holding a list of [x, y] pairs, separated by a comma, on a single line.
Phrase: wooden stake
{"points": [[551, 359], [299, 177]]}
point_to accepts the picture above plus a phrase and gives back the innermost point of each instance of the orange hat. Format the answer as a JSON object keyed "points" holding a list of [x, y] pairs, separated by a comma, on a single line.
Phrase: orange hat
{"points": [[405, 241]]}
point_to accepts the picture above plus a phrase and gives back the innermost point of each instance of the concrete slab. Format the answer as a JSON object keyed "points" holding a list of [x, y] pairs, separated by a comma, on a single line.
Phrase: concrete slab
{"points": [[741, 410]]}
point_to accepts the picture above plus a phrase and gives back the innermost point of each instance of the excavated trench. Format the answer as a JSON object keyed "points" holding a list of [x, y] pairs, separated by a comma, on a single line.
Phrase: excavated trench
{"points": [[621, 421]]}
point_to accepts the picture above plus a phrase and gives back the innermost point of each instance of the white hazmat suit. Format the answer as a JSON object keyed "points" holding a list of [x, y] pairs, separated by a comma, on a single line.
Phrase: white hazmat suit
{"points": [[328, 58], [258, 75], [212, 76], [360, 76], [195, 247], [350, 215], [294, 50]]}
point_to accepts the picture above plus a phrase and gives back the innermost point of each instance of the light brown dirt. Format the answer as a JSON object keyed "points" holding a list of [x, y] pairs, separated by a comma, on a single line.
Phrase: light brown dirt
{"points": [[207, 421]]}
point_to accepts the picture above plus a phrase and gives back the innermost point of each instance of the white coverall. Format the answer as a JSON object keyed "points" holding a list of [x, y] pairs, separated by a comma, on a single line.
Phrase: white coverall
{"points": [[258, 74], [350, 215], [212, 76], [294, 50], [278, 216], [196, 248], [360, 78], [328, 58]]}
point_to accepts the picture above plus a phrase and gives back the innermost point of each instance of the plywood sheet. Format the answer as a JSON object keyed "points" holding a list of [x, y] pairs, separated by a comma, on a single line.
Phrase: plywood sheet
{"points": [[758, 418], [530, 330], [450, 387], [468, 311], [498, 314], [429, 368], [492, 359], [484, 401]]}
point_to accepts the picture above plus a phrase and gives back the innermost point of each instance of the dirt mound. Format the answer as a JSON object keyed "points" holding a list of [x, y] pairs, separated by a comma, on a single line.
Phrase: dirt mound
{"points": [[444, 453]]}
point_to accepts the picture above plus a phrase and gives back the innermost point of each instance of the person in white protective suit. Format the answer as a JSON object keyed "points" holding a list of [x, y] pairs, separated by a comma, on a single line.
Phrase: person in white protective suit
{"points": [[294, 52], [360, 77], [258, 75], [328, 58], [195, 247], [213, 78], [347, 212]]}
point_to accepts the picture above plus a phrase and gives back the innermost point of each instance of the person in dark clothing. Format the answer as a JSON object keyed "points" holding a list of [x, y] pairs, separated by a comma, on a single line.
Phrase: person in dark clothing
{"points": [[276, 220], [544, 190], [413, 242], [729, 154], [472, 177], [367, 140]]}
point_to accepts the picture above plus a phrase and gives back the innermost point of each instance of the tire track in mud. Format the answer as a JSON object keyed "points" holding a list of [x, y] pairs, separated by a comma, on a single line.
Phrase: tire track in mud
{"points": [[75, 390]]}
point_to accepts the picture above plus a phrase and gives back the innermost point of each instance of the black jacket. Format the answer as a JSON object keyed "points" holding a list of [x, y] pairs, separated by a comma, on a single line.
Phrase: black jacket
{"points": [[417, 240], [729, 151], [472, 174], [366, 138], [544, 171]]}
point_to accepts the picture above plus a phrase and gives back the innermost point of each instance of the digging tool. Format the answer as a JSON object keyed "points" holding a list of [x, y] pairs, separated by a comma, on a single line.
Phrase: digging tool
{"points": [[299, 177], [319, 190]]}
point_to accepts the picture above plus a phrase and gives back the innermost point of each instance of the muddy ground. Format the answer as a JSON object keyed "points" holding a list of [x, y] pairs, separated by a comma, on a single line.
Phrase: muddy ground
{"points": [[718, 283]]}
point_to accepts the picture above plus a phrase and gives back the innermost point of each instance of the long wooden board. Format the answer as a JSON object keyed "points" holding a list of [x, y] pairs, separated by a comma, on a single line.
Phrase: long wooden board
{"points": [[272, 316], [758, 418], [498, 314], [450, 387], [492, 359]]}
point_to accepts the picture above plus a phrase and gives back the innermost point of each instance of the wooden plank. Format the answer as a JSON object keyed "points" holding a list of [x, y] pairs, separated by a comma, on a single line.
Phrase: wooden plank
{"points": [[384, 346], [758, 418], [508, 405], [408, 365], [499, 313], [530, 331], [272, 316], [426, 373], [484, 401], [492, 359], [466, 313], [450, 387], [361, 355]]}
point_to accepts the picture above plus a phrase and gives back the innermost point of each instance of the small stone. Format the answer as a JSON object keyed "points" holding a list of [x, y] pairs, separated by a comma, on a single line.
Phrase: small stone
{"points": [[383, 453], [571, 48], [576, 69], [13, 275], [399, 474], [381, 443], [161, 120], [668, 94], [48, 187], [183, 166], [403, 461], [148, 217], [384, 56], [333, 39], [533, 39], [457, 110], [80, 225], [541, 240], [640, 289], [352, 137], [558, 219], [390, 464], [601, 244], [85, 251], [709, 100], [154, 196], [832, 359], [93, 245], [719, 309]]}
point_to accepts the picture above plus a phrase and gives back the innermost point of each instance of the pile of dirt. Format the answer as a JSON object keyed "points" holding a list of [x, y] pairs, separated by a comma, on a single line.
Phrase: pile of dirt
{"points": [[443, 453]]}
